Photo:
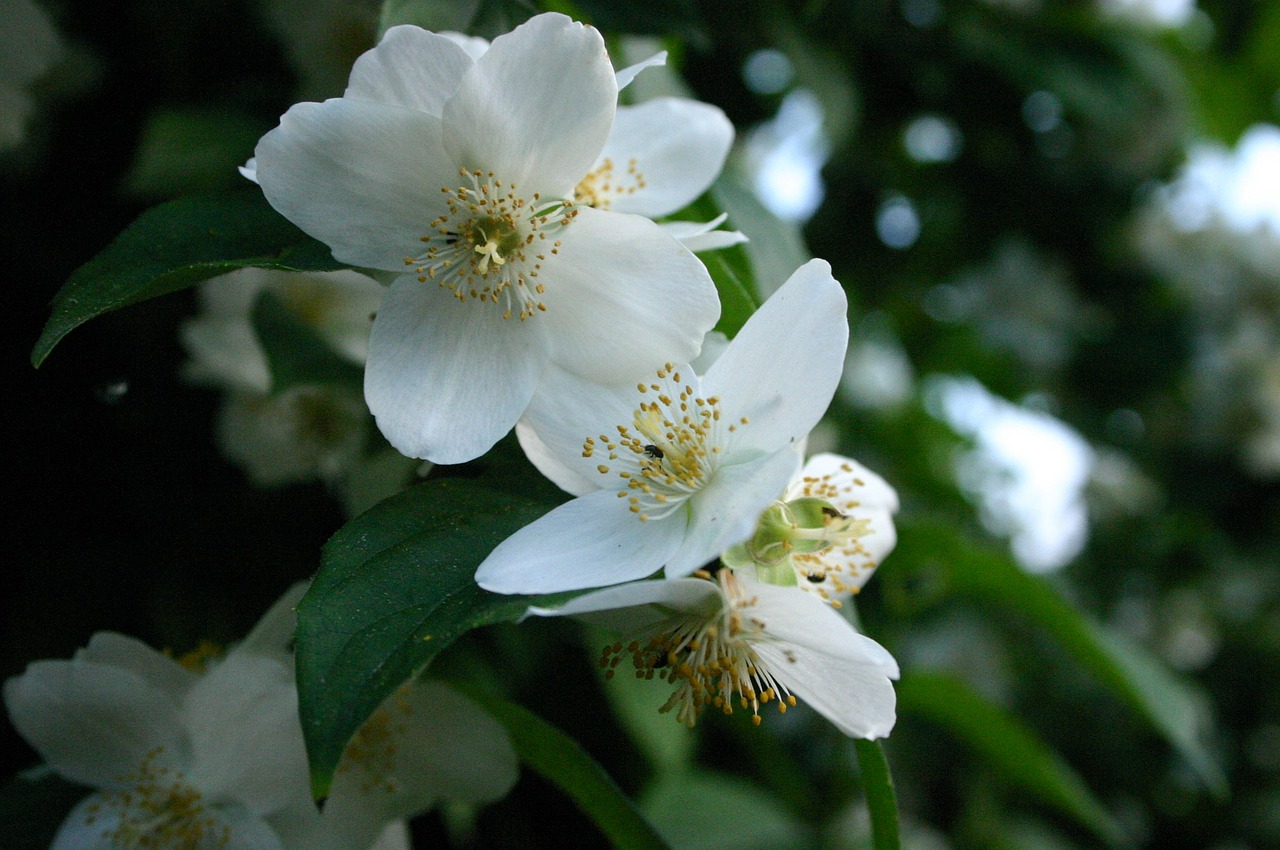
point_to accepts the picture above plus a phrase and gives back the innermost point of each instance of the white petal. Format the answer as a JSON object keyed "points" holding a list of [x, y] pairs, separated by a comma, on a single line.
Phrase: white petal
{"points": [[627, 74], [273, 633], [88, 826], [127, 653], [783, 367], [725, 512], [540, 455], [363, 178], [816, 653], [246, 737], [591, 541], [94, 723], [249, 170], [678, 146], [703, 236], [474, 45], [713, 345], [631, 608], [410, 67], [439, 745], [537, 107], [565, 411], [394, 837], [626, 298], [446, 379], [865, 488]]}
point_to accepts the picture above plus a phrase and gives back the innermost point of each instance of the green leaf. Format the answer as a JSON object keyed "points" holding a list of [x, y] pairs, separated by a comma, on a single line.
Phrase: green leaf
{"points": [[950, 564], [396, 586], [176, 245], [1007, 745], [882, 802], [560, 760], [703, 810], [296, 354], [736, 301], [33, 806]]}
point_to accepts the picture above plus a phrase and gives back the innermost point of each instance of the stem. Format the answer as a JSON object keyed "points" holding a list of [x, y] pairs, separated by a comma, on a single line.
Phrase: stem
{"points": [[877, 784]]}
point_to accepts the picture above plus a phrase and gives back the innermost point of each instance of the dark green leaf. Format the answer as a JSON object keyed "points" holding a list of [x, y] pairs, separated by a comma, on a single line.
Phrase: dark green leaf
{"points": [[396, 586], [33, 806], [1173, 707], [646, 17], [295, 353], [559, 759], [176, 245], [882, 802], [1007, 745]]}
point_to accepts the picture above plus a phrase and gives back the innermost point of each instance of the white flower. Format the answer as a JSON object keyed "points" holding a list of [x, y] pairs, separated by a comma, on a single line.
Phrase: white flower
{"points": [[828, 532], [179, 759], [214, 759], [425, 743], [732, 639], [675, 470], [459, 174]]}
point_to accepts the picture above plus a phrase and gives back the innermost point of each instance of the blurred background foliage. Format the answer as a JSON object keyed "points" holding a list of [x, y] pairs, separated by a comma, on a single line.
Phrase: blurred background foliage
{"points": [[1065, 355]]}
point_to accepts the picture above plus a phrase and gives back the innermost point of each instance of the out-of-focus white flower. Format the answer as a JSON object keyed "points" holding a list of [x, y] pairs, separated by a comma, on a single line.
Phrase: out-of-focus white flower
{"points": [[729, 638], [209, 753], [425, 743], [674, 470], [179, 757], [460, 175], [299, 433], [827, 533], [29, 46]]}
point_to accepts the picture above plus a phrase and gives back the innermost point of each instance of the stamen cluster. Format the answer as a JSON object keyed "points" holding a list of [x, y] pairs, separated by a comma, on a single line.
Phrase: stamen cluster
{"points": [[601, 185], [156, 809], [710, 660], [491, 244]]}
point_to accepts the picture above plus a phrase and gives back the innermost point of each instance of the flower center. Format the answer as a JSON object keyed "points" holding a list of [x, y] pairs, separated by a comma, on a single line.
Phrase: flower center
{"points": [[159, 811], [602, 185], [491, 244], [709, 659], [829, 557], [669, 451]]}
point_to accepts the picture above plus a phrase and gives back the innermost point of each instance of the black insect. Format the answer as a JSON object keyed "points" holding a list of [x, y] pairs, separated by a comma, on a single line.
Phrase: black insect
{"points": [[654, 452]]}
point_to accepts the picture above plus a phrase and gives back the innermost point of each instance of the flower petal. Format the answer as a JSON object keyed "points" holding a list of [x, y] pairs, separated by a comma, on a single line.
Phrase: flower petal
{"points": [[410, 67], [726, 510], [540, 455], [245, 734], [591, 541], [627, 298], [126, 653], [537, 107], [816, 653], [446, 379], [363, 178], [629, 73], [632, 608], [94, 723], [783, 367], [273, 633], [474, 45], [678, 147], [565, 411], [703, 236], [433, 744]]}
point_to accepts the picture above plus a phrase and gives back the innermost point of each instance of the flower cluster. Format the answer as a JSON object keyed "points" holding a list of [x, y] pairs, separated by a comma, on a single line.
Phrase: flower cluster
{"points": [[499, 209], [206, 751], [509, 199]]}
